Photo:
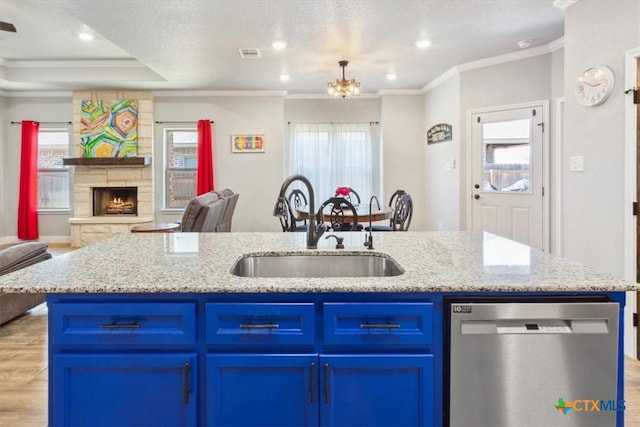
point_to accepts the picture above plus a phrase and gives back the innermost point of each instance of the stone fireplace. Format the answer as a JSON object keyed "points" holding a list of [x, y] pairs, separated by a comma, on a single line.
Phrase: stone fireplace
{"points": [[86, 226], [115, 201]]}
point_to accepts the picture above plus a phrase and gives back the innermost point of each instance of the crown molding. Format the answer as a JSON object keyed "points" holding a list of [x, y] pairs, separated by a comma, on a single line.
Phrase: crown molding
{"points": [[36, 94], [556, 44], [326, 97], [563, 4], [401, 92], [175, 93], [451, 72], [112, 63], [501, 59], [508, 57]]}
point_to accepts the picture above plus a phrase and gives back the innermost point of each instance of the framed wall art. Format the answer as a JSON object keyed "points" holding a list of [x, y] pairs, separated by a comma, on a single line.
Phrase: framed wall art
{"points": [[247, 143]]}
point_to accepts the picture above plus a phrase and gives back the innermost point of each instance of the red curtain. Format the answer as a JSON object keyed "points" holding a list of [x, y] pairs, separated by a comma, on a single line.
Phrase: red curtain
{"points": [[28, 197], [204, 170]]}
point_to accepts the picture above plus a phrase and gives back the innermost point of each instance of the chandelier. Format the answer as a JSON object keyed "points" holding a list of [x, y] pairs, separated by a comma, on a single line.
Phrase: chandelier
{"points": [[343, 88]]}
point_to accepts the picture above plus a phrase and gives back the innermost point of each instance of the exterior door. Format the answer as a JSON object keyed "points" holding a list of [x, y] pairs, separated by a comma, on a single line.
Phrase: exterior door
{"points": [[507, 174], [638, 201]]}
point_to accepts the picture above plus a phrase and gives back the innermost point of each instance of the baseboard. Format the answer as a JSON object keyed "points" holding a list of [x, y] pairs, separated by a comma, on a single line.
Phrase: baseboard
{"points": [[63, 240]]}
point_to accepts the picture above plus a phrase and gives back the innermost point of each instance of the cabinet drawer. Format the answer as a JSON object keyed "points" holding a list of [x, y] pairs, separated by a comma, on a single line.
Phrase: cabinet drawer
{"points": [[265, 324], [124, 324], [381, 324]]}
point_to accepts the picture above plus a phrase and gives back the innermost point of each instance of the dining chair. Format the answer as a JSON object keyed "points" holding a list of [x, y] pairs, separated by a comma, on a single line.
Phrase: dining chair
{"points": [[393, 201], [402, 213], [297, 199], [336, 215], [287, 218], [353, 197]]}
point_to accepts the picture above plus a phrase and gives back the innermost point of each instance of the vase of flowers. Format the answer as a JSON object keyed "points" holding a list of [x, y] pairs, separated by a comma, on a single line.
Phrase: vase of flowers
{"points": [[343, 191]]}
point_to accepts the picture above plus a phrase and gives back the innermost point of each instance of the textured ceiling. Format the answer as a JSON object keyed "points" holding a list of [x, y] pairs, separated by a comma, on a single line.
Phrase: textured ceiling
{"points": [[193, 45]]}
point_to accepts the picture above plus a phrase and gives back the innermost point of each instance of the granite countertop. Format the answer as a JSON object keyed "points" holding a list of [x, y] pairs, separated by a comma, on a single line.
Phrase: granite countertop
{"points": [[192, 262]]}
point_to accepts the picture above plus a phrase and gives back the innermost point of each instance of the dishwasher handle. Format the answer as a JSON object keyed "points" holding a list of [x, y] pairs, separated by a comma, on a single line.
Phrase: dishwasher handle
{"points": [[534, 326]]}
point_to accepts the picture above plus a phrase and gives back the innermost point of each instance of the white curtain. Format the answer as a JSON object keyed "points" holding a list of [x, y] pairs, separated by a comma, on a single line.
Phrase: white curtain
{"points": [[332, 155]]}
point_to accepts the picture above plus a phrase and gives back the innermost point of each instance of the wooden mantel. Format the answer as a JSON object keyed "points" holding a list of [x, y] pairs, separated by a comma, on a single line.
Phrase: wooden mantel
{"points": [[107, 161]]}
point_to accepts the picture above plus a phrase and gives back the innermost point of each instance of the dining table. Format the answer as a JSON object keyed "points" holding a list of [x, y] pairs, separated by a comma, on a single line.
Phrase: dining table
{"points": [[362, 211]]}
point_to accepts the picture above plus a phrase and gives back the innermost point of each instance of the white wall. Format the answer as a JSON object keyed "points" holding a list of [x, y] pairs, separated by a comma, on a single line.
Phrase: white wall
{"points": [[556, 192], [442, 162], [255, 176], [3, 180], [52, 226], [404, 143], [594, 199]]}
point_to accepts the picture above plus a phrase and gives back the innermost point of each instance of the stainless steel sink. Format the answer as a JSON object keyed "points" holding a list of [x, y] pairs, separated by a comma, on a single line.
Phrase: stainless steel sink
{"points": [[316, 265]]}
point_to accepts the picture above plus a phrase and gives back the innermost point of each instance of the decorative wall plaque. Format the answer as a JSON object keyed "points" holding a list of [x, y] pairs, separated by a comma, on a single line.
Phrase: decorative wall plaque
{"points": [[439, 133]]}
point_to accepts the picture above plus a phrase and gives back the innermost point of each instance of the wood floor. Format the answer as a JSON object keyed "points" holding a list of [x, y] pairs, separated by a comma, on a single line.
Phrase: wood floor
{"points": [[23, 372]]}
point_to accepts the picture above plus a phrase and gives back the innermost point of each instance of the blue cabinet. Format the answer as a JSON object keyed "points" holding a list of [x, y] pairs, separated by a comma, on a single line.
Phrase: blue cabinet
{"points": [[328, 390], [124, 390], [244, 360], [377, 390], [262, 390]]}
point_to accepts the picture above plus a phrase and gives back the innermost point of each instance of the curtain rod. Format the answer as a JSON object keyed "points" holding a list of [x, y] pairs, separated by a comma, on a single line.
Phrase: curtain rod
{"points": [[179, 122], [333, 123], [44, 123]]}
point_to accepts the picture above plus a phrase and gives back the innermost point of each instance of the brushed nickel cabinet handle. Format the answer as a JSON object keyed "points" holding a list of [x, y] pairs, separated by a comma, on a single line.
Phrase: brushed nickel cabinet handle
{"points": [[312, 388], [260, 326], [326, 383], [114, 325], [379, 326], [186, 387]]}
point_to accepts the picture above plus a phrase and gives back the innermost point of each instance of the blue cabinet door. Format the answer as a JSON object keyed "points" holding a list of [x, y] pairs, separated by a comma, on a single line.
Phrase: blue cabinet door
{"points": [[377, 390], [124, 390], [262, 390]]}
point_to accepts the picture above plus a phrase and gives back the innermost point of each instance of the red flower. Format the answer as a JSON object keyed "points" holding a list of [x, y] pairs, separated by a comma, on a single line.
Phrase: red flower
{"points": [[343, 191]]}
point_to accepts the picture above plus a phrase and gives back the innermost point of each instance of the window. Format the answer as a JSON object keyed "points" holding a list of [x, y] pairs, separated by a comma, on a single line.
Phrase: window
{"points": [[331, 156], [53, 177], [181, 157], [506, 152]]}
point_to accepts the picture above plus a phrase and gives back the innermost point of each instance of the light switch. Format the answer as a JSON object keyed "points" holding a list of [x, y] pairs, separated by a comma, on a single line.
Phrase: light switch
{"points": [[576, 163]]}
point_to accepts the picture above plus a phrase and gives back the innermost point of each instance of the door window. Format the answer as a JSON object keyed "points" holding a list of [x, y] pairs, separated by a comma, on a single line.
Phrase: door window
{"points": [[506, 156]]}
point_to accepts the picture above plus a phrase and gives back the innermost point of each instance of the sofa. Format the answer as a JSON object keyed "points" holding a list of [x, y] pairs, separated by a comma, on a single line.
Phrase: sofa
{"points": [[210, 212], [14, 258]]}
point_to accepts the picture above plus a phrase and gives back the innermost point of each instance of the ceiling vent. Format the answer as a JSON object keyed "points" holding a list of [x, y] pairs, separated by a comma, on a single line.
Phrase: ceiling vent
{"points": [[249, 53]]}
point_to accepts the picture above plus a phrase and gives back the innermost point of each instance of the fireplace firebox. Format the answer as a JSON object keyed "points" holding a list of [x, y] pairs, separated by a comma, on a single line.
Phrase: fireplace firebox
{"points": [[115, 201]]}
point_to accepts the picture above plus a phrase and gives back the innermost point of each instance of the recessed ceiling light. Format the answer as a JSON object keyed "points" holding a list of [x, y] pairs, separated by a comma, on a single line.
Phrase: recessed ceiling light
{"points": [[86, 36], [284, 77], [279, 45], [523, 44], [423, 44], [391, 76]]}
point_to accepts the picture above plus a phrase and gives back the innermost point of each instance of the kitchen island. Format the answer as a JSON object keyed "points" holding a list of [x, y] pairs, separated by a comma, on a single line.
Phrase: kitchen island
{"points": [[153, 329]]}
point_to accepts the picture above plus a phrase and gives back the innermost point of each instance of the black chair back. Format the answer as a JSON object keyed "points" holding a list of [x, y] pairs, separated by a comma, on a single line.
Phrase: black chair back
{"points": [[353, 197], [297, 199], [401, 219], [337, 221], [285, 215]]}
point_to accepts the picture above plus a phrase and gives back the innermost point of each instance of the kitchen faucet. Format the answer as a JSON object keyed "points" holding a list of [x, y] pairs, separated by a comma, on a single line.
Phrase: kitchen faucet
{"points": [[315, 229], [368, 241]]}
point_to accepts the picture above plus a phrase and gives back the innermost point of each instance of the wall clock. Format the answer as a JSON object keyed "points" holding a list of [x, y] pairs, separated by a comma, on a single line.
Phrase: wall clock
{"points": [[594, 85]]}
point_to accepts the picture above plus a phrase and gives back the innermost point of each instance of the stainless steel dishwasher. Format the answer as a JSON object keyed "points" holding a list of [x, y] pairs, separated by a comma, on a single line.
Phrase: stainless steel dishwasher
{"points": [[521, 364]]}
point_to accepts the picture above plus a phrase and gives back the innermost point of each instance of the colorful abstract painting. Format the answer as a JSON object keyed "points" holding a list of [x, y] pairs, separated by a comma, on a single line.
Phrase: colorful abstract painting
{"points": [[247, 143], [109, 128]]}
